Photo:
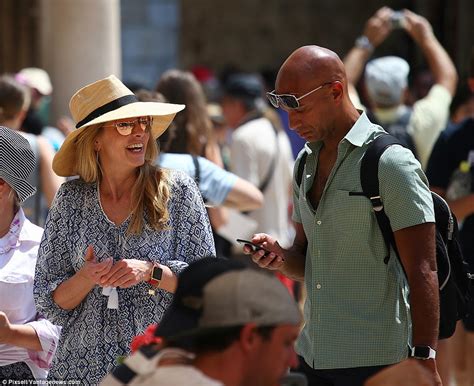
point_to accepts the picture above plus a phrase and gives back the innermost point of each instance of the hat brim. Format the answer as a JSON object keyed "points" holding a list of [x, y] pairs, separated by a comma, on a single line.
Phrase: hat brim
{"points": [[183, 325], [22, 188], [64, 162]]}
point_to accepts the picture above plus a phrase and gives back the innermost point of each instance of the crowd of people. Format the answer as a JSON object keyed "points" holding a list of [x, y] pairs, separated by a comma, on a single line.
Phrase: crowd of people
{"points": [[126, 216]]}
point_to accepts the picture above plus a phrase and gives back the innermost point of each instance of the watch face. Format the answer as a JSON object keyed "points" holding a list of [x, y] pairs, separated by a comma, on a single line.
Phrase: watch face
{"points": [[422, 352], [156, 273]]}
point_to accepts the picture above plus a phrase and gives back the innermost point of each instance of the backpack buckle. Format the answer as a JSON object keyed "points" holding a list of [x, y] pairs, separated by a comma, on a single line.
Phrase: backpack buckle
{"points": [[376, 203]]}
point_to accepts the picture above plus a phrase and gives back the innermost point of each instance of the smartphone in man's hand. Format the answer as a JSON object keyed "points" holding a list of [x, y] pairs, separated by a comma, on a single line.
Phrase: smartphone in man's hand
{"points": [[253, 246]]}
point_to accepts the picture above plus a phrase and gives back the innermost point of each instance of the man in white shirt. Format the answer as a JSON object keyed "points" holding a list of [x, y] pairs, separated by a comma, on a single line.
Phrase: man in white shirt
{"points": [[260, 152]]}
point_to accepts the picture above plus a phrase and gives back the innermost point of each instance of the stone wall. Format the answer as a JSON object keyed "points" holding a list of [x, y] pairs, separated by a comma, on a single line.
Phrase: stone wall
{"points": [[252, 35], [149, 39]]}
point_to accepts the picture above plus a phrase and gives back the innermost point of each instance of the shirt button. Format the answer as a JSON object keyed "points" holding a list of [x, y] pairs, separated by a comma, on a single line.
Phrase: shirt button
{"points": [[318, 286], [319, 222]]}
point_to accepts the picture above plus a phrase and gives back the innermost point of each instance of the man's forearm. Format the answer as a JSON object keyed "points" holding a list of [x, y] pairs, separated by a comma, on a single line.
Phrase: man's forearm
{"points": [[294, 264], [440, 63], [355, 62], [424, 304]]}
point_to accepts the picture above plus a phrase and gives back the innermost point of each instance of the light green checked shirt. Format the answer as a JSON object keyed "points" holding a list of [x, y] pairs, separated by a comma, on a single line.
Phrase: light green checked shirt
{"points": [[357, 311]]}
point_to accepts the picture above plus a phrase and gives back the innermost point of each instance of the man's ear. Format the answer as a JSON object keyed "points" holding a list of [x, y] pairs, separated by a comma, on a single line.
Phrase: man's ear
{"points": [[337, 92], [249, 337]]}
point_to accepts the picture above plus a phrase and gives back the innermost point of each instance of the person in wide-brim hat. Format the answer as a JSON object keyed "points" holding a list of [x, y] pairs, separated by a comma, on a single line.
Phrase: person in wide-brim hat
{"points": [[104, 101], [125, 225]]}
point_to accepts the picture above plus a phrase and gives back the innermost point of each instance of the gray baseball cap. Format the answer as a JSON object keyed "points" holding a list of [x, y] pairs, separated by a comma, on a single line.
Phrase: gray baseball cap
{"points": [[386, 78], [231, 296]]}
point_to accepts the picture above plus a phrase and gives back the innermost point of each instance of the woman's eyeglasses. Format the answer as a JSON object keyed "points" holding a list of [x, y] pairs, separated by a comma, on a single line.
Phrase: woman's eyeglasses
{"points": [[126, 127], [289, 101]]}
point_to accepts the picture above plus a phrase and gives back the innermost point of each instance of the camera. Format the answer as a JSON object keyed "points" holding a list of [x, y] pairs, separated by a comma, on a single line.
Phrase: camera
{"points": [[397, 19]]}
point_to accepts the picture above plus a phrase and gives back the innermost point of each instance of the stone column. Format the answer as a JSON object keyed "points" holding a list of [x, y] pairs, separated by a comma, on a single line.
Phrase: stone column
{"points": [[80, 43]]}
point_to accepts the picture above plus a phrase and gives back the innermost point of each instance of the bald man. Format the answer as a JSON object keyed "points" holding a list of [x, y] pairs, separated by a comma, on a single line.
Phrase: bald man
{"points": [[361, 314]]}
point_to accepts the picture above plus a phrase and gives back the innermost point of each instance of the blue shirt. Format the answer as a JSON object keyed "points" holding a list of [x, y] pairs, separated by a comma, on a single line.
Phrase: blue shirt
{"points": [[215, 183]]}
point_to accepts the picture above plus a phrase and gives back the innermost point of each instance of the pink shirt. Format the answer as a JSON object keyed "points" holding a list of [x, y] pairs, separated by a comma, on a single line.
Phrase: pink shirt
{"points": [[18, 253]]}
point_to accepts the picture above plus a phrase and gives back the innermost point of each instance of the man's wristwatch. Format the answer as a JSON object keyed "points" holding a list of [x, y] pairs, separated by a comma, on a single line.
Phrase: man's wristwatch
{"points": [[422, 352], [156, 274], [364, 43]]}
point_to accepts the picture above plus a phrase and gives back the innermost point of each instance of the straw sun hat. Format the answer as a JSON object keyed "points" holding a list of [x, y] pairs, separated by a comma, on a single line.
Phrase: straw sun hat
{"points": [[103, 101]]}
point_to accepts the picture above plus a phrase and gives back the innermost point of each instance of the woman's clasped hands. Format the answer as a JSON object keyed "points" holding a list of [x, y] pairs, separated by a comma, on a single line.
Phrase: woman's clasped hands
{"points": [[124, 273]]}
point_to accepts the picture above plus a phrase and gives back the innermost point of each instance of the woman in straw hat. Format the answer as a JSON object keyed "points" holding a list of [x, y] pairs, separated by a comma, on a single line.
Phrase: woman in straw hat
{"points": [[27, 340], [115, 238]]}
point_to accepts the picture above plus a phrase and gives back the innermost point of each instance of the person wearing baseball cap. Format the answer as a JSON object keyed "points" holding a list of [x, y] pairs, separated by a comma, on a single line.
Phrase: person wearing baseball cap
{"points": [[116, 237], [235, 337], [28, 341], [386, 80]]}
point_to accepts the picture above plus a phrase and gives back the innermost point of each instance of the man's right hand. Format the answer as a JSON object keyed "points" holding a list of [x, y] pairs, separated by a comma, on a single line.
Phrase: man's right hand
{"points": [[271, 256]]}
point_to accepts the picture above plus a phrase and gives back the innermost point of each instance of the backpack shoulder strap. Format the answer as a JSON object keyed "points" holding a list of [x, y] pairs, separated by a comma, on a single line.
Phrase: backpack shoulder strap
{"points": [[369, 172], [300, 168]]}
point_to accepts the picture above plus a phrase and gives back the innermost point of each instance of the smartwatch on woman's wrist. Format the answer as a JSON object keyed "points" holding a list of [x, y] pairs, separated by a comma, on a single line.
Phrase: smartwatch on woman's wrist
{"points": [[156, 275]]}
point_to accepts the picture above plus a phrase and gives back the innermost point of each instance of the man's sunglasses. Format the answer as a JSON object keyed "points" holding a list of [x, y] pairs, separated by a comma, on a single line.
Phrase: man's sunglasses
{"points": [[289, 101], [126, 127]]}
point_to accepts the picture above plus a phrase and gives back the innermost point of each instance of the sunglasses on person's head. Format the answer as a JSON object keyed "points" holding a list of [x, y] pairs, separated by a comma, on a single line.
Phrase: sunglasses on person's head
{"points": [[290, 101], [126, 127]]}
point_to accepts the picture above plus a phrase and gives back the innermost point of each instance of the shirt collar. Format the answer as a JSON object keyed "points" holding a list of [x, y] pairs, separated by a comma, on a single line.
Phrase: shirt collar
{"points": [[389, 115], [360, 131], [357, 135]]}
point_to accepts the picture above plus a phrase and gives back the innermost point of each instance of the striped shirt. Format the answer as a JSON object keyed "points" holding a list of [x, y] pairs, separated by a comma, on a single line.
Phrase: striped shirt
{"points": [[357, 311]]}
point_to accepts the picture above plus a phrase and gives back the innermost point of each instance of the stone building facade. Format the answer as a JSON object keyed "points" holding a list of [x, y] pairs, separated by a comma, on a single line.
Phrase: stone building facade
{"points": [[77, 41]]}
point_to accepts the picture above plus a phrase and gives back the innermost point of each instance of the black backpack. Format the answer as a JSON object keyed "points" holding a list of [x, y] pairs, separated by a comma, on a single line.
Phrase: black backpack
{"points": [[454, 277]]}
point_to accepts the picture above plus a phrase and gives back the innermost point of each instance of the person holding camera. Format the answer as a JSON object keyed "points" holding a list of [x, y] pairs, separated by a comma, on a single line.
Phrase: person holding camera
{"points": [[386, 81]]}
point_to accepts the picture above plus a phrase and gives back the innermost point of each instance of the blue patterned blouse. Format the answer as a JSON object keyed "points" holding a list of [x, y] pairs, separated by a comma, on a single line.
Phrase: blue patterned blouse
{"points": [[94, 336]]}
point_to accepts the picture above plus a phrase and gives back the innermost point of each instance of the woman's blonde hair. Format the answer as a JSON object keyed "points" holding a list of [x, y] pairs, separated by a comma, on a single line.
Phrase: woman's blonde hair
{"points": [[151, 191]]}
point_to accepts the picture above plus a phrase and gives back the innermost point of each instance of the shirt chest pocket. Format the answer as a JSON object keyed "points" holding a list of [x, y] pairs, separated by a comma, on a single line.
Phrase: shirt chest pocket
{"points": [[351, 212]]}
